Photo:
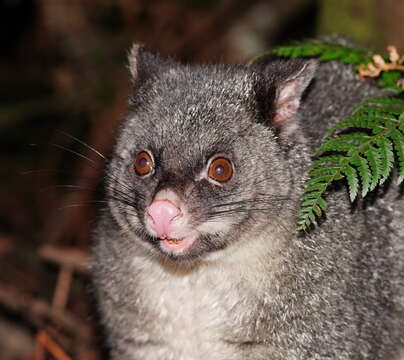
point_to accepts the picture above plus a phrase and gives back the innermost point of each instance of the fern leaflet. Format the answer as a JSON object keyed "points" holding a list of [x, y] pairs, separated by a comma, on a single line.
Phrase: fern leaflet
{"points": [[324, 50], [364, 158]]}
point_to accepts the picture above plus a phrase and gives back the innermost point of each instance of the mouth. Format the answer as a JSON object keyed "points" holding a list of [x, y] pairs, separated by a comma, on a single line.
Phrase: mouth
{"points": [[177, 246]]}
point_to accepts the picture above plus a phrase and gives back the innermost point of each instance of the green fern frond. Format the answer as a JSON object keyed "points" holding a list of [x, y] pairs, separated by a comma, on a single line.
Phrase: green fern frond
{"points": [[352, 178], [324, 51], [389, 80], [388, 77], [374, 162], [386, 158], [365, 157], [363, 148], [398, 142], [362, 165]]}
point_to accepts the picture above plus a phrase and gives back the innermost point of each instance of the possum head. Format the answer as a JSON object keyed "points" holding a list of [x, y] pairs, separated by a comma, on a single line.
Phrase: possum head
{"points": [[199, 163]]}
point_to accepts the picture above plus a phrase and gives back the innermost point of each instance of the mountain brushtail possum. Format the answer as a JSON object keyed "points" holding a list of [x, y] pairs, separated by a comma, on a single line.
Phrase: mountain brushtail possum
{"points": [[196, 252]]}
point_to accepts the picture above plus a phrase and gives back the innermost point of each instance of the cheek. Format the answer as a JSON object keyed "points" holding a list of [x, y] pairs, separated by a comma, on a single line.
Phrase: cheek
{"points": [[202, 199], [221, 225]]}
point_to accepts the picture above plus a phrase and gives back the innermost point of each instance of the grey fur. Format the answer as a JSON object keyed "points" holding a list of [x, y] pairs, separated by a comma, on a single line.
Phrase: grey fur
{"points": [[252, 288]]}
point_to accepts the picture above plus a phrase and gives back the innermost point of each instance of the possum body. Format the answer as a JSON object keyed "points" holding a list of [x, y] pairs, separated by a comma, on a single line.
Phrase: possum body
{"points": [[197, 254]]}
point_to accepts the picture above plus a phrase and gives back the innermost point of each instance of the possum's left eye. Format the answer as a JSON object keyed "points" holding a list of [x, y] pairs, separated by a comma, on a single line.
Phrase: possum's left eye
{"points": [[220, 169], [143, 163]]}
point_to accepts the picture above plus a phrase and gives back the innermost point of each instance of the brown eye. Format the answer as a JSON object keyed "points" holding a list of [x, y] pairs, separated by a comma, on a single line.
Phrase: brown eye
{"points": [[220, 170], [143, 163]]}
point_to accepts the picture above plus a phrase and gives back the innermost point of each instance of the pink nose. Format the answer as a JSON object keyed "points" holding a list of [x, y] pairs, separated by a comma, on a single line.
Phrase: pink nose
{"points": [[162, 213]]}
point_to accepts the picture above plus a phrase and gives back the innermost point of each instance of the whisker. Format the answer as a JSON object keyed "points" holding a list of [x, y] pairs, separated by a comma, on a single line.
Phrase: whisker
{"points": [[75, 187], [74, 152], [82, 143], [126, 192], [123, 199], [81, 204], [245, 208], [120, 188], [254, 201], [120, 183], [39, 171], [112, 183]]}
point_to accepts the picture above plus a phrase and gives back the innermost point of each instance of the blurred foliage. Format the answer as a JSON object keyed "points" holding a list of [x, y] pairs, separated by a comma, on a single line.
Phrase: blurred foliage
{"points": [[373, 23], [355, 19], [199, 4]]}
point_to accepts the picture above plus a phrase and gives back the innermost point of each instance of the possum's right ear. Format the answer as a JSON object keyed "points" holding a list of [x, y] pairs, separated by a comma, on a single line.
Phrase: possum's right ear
{"points": [[145, 64], [279, 89]]}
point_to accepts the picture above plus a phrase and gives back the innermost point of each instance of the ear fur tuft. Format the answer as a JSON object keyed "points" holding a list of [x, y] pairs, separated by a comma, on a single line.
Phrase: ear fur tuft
{"points": [[145, 64], [133, 59]]}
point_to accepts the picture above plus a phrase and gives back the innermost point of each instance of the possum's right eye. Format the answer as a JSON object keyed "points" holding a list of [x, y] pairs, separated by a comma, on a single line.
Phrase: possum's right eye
{"points": [[144, 163], [220, 169]]}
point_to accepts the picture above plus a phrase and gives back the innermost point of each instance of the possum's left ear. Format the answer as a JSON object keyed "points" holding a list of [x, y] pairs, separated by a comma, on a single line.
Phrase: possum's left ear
{"points": [[145, 64], [279, 89]]}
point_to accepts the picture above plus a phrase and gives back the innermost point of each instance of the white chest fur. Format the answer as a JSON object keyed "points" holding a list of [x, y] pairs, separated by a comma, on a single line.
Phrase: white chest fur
{"points": [[189, 311], [205, 311]]}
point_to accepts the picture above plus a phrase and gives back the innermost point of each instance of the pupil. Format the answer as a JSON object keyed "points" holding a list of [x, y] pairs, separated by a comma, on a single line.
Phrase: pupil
{"points": [[143, 162], [219, 170]]}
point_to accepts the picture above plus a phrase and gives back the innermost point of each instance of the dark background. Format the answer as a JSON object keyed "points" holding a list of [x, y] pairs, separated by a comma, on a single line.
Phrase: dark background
{"points": [[63, 76]]}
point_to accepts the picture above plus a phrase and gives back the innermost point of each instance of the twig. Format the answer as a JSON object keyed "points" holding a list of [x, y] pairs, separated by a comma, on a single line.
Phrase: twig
{"points": [[45, 342], [61, 294], [76, 259], [39, 312]]}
